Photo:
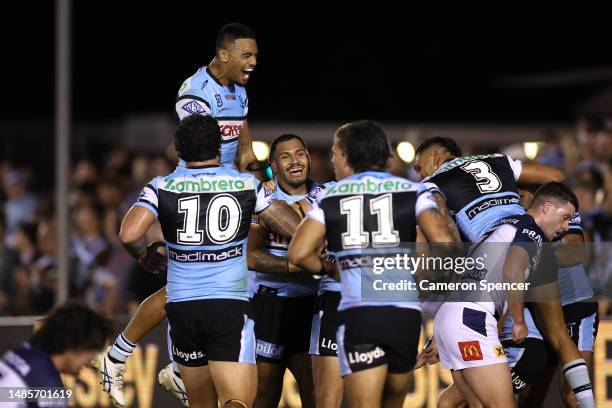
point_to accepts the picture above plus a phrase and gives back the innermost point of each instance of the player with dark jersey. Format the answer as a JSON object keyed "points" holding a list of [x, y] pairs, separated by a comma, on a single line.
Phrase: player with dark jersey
{"points": [[205, 212], [369, 212]]}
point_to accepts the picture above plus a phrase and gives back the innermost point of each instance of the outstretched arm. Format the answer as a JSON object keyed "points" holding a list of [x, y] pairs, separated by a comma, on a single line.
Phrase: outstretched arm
{"points": [[304, 247]]}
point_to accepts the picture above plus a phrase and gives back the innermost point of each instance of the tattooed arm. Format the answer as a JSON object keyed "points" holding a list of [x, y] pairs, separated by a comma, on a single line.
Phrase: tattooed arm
{"points": [[281, 218], [262, 261], [448, 219]]}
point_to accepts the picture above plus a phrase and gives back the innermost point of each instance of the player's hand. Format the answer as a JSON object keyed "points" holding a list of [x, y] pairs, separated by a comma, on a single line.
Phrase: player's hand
{"points": [[154, 259], [330, 266], [519, 331], [429, 355], [269, 185]]}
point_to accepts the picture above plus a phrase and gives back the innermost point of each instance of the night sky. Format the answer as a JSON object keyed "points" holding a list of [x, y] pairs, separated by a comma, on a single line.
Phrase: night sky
{"points": [[312, 65]]}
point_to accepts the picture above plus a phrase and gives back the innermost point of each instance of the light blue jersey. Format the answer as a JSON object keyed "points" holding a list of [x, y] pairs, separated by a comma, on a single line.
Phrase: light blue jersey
{"points": [[203, 94], [367, 218], [479, 191], [288, 285], [205, 214], [574, 284]]}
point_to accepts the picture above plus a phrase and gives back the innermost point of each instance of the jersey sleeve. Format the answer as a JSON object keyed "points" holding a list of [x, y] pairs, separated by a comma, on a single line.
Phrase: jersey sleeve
{"points": [[246, 106], [432, 187], [424, 201], [516, 166], [148, 197], [187, 105], [316, 213], [263, 199]]}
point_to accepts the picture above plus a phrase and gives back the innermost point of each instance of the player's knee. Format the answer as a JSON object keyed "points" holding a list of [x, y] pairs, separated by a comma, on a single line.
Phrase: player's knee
{"points": [[235, 403]]}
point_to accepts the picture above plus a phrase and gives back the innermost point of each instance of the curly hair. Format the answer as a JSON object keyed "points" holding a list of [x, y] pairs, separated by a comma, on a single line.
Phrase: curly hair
{"points": [[197, 138], [72, 326]]}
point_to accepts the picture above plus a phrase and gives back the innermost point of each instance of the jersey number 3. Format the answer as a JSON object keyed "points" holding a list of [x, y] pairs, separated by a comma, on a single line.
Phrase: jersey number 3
{"points": [[486, 180], [355, 236]]}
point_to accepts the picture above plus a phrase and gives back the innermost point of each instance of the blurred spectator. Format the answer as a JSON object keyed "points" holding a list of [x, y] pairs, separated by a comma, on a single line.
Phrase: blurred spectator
{"points": [[20, 204], [551, 153], [9, 260], [44, 270], [90, 279]]}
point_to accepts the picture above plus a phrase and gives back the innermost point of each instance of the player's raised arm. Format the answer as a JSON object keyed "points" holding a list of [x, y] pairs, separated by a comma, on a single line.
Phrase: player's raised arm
{"points": [[536, 173]]}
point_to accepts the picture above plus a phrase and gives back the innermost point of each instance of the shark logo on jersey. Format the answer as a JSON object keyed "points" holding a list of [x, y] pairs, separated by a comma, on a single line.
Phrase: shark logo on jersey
{"points": [[242, 103], [204, 84], [219, 100], [193, 108]]}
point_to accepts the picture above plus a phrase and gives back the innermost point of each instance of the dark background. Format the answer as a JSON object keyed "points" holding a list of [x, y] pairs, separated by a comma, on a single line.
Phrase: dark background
{"points": [[383, 63]]}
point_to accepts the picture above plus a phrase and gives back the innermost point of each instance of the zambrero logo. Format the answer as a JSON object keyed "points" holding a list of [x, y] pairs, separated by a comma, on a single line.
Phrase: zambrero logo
{"points": [[470, 350], [499, 351]]}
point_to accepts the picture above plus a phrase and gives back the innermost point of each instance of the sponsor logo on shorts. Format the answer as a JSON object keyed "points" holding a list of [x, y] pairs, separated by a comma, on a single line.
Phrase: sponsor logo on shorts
{"points": [[470, 350], [187, 356], [269, 350], [517, 383], [328, 344], [368, 357], [499, 351]]}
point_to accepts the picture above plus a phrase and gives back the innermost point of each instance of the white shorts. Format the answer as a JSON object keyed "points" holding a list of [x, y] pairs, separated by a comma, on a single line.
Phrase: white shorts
{"points": [[466, 336]]}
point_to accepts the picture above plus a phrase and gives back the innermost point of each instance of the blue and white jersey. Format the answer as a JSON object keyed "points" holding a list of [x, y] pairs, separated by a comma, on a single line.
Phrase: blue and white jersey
{"points": [[492, 250], [289, 284], [367, 217], [479, 191], [205, 214], [573, 281], [203, 94], [326, 284]]}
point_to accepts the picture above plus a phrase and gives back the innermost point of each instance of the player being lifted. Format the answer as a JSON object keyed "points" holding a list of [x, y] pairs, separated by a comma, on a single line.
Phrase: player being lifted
{"points": [[205, 212], [216, 90], [377, 341]]}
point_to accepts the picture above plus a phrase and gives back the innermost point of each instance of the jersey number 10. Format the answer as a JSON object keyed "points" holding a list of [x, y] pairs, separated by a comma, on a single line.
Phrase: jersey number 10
{"points": [[222, 219]]}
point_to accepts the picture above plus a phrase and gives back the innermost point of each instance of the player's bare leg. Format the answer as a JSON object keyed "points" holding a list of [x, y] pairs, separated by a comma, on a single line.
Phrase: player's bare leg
{"points": [[149, 314], [200, 387], [301, 368], [495, 392], [364, 389], [396, 388], [452, 397], [234, 381], [327, 381], [269, 384]]}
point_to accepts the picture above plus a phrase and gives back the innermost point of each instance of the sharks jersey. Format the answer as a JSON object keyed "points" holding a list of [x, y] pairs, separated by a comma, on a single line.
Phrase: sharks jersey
{"points": [[479, 190], [288, 285], [367, 216], [203, 94], [205, 214], [573, 281]]}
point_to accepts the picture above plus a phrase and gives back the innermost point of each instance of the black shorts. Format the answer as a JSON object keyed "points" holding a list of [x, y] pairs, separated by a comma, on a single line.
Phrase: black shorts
{"points": [[582, 320], [211, 329], [527, 360], [371, 336], [282, 326], [325, 322]]}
